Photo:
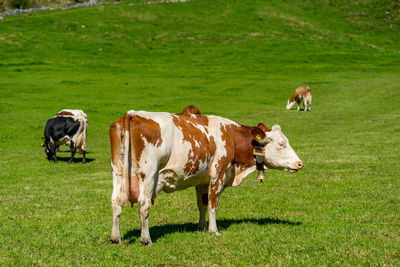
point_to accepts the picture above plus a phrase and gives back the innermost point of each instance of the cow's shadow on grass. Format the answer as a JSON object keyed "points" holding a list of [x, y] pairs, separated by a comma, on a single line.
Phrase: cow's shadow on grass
{"points": [[158, 231], [76, 159]]}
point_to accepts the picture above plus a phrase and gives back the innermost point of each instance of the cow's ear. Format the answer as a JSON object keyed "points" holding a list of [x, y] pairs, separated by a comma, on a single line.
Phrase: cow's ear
{"points": [[263, 127], [258, 134]]}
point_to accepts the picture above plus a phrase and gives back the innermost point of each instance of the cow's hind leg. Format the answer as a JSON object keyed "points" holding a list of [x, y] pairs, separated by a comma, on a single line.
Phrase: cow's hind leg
{"points": [[202, 202], [83, 156], [116, 213], [73, 150], [147, 187]]}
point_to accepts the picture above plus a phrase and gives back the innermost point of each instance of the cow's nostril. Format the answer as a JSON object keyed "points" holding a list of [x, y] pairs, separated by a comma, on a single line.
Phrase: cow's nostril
{"points": [[300, 164]]}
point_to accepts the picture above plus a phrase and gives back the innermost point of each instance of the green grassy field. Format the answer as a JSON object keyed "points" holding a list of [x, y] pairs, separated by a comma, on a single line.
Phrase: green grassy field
{"points": [[237, 59]]}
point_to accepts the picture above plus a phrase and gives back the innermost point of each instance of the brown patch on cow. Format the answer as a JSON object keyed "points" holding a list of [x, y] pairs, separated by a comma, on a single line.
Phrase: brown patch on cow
{"points": [[243, 137], [142, 175], [133, 189], [64, 113], [191, 110], [202, 146], [141, 127], [239, 148], [263, 127], [116, 139]]}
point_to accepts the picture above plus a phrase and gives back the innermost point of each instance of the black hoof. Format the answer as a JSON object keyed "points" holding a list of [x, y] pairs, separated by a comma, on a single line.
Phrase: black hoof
{"points": [[146, 242], [115, 241]]}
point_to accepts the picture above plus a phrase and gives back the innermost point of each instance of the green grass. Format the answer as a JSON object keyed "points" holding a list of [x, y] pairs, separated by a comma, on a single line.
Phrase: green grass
{"points": [[237, 59]]}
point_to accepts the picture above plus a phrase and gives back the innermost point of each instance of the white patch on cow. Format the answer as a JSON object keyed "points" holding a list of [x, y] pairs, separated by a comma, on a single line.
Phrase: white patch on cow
{"points": [[278, 152], [240, 174]]}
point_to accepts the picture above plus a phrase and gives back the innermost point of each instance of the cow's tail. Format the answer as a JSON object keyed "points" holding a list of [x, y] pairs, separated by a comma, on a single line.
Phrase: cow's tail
{"points": [[119, 164]]}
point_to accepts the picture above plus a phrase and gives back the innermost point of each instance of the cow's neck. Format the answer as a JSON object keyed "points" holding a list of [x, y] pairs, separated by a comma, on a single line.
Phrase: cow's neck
{"points": [[244, 160]]}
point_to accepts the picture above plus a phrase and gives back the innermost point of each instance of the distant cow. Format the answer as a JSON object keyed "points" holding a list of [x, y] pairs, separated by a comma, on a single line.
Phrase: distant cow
{"points": [[301, 94], [159, 151], [68, 127]]}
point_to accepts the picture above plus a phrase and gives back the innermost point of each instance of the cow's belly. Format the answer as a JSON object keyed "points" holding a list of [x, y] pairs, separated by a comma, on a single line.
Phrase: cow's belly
{"points": [[172, 180]]}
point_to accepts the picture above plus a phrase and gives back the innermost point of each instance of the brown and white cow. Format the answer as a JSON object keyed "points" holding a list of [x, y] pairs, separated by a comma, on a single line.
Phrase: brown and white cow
{"points": [[301, 94], [159, 151]]}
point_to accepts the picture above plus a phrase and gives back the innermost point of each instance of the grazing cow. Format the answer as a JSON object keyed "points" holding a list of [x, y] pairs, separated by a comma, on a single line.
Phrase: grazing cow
{"points": [[159, 151], [302, 93], [68, 127]]}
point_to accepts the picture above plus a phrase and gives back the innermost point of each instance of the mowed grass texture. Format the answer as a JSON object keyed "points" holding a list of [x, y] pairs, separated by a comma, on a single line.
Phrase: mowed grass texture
{"points": [[237, 59]]}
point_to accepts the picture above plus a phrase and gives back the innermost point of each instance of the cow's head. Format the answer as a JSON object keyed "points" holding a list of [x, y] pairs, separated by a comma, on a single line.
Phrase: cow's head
{"points": [[50, 149], [278, 152], [289, 104]]}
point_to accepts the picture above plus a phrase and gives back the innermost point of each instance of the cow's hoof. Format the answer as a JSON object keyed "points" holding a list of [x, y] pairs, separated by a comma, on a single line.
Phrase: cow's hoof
{"points": [[202, 227], [216, 233], [114, 240], [83, 161], [146, 242], [69, 161]]}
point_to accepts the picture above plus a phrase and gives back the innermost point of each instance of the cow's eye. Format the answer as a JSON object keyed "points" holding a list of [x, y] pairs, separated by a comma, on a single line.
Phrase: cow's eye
{"points": [[282, 144]]}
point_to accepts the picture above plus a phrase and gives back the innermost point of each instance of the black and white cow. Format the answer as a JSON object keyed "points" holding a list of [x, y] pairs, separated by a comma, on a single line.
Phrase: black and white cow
{"points": [[68, 127]]}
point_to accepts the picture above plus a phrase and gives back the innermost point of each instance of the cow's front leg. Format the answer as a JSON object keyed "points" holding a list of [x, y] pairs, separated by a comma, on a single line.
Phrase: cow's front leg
{"points": [[216, 188], [202, 202], [73, 150], [305, 104]]}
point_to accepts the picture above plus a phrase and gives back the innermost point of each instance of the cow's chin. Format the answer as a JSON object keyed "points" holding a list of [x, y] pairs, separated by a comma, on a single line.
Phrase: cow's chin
{"points": [[290, 170]]}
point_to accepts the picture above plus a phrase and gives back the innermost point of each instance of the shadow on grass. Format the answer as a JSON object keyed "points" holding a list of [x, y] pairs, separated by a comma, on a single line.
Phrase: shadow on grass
{"points": [[76, 159], [158, 231]]}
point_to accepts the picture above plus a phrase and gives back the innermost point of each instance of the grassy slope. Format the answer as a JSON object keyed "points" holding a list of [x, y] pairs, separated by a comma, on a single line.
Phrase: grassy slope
{"points": [[239, 59]]}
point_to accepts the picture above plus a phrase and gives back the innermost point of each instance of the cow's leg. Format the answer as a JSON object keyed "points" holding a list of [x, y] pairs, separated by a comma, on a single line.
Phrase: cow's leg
{"points": [[147, 188], [216, 188], [116, 213], [53, 150], [298, 105], [119, 200], [202, 202], [73, 150], [83, 156], [305, 104]]}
